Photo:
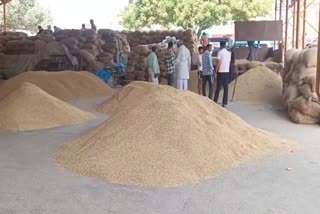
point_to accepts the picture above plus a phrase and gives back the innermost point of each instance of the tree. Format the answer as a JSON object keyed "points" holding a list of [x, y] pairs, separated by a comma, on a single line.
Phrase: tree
{"points": [[196, 14], [26, 15]]}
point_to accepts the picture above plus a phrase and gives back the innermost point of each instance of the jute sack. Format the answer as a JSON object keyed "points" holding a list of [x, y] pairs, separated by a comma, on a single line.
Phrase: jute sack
{"points": [[87, 56], [297, 117], [310, 57], [71, 43], [296, 56], [305, 91], [54, 49], [311, 81], [306, 107], [142, 50], [301, 72], [289, 55], [46, 37], [290, 93]]}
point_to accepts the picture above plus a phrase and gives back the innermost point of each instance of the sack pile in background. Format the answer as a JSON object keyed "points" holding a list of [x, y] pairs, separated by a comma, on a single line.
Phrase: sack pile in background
{"points": [[136, 38], [299, 91]]}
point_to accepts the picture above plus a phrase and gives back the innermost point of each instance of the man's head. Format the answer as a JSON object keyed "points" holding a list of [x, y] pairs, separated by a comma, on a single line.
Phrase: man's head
{"points": [[180, 43], [83, 26], [204, 34], [200, 49], [209, 47], [223, 44], [154, 49], [170, 45], [91, 21], [49, 27], [39, 27]]}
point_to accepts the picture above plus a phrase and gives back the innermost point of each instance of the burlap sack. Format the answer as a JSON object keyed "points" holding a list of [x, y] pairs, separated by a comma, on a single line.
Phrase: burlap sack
{"points": [[55, 49], [15, 34], [306, 107], [71, 43], [289, 94], [87, 56], [296, 57], [297, 117], [289, 55], [310, 57], [301, 72], [46, 37], [305, 91], [311, 81], [142, 50]]}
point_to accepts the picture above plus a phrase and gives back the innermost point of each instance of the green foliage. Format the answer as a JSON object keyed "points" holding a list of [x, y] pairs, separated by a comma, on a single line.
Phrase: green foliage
{"points": [[26, 15], [196, 14]]}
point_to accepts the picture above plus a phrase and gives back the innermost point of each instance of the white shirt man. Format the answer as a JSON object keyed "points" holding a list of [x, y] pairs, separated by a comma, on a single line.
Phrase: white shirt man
{"points": [[223, 69]]}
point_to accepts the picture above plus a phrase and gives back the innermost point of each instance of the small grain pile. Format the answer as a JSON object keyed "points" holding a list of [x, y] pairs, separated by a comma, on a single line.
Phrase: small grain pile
{"points": [[67, 85], [159, 136], [299, 89], [259, 85], [30, 108]]}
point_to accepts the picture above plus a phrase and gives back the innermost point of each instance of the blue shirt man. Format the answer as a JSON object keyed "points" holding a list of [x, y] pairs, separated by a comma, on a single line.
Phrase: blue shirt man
{"points": [[208, 71]]}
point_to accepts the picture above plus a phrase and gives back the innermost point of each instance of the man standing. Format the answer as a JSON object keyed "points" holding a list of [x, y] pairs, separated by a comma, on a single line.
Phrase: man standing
{"points": [[208, 71], [204, 40], [169, 62], [183, 66], [93, 26], [200, 69], [223, 69], [153, 66]]}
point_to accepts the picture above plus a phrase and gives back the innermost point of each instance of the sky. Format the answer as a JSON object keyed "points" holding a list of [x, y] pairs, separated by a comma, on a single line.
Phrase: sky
{"points": [[73, 13]]}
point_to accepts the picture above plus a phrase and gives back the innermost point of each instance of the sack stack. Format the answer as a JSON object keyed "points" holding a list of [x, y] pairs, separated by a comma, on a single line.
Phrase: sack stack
{"points": [[299, 91], [136, 38], [137, 67]]}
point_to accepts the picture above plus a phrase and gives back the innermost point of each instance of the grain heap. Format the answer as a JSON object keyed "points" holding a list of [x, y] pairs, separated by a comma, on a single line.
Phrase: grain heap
{"points": [[299, 89], [30, 108], [165, 138], [67, 85], [259, 85]]}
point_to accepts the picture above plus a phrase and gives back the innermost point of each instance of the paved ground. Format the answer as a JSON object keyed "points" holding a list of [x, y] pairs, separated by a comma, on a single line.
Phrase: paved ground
{"points": [[31, 183]]}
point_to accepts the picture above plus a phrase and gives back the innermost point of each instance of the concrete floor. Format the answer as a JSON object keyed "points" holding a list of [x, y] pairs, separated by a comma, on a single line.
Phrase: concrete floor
{"points": [[31, 183]]}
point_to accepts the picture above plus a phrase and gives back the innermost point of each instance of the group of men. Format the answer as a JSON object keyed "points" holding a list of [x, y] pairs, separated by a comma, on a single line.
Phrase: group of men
{"points": [[177, 64], [207, 73], [57, 29]]}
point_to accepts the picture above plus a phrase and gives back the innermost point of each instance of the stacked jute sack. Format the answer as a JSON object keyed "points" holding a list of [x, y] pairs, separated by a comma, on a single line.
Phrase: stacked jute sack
{"points": [[299, 90], [136, 38], [113, 46], [83, 43], [137, 67], [20, 53], [16, 43]]}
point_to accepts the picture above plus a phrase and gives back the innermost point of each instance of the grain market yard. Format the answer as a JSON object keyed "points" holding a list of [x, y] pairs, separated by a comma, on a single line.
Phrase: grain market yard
{"points": [[31, 182]]}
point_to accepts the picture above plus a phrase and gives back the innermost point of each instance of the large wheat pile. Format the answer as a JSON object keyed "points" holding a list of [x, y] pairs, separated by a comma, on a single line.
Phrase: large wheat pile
{"points": [[259, 85], [67, 85], [30, 108], [159, 136]]}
